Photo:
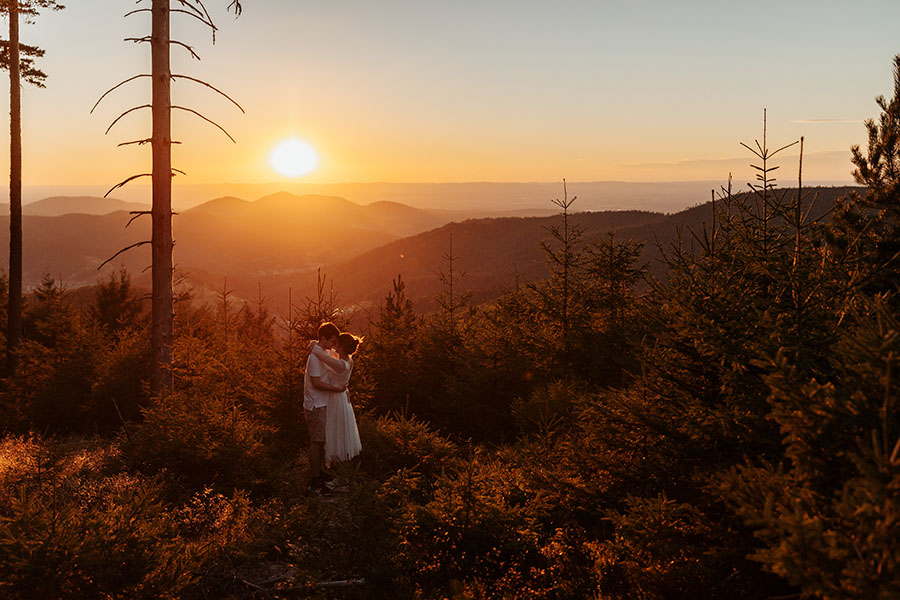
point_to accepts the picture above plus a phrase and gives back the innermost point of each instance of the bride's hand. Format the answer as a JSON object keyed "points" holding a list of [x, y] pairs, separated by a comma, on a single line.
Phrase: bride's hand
{"points": [[311, 345]]}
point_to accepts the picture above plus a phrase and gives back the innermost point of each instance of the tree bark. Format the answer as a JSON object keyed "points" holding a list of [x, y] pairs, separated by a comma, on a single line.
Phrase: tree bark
{"points": [[14, 307], [161, 241]]}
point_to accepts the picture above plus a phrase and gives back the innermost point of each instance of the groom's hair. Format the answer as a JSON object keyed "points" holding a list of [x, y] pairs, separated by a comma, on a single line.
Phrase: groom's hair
{"points": [[328, 330]]}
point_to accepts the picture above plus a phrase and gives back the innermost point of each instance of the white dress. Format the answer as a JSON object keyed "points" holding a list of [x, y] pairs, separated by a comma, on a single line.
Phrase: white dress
{"points": [[341, 434]]}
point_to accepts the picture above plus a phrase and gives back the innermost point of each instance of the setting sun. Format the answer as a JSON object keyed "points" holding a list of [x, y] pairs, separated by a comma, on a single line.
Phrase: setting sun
{"points": [[294, 158]]}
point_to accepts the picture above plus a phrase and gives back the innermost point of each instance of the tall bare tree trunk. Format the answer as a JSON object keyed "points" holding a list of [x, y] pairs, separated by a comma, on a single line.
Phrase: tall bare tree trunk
{"points": [[162, 295], [14, 309]]}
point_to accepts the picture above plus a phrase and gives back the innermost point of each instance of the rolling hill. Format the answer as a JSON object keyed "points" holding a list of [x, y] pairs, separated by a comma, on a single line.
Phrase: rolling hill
{"points": [[278, 234], [86, 205], [276, 243], [495, 253]]}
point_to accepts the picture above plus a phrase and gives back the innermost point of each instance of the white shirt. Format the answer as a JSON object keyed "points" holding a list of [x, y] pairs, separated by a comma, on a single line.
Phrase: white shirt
{"points": [[312, 397]]}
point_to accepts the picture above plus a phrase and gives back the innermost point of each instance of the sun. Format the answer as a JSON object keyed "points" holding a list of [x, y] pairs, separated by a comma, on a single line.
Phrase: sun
{"points": [[294, 158]]}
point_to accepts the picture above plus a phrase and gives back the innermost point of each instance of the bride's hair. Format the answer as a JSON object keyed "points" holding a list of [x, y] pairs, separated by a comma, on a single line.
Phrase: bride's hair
{"points": [[349, 342]]}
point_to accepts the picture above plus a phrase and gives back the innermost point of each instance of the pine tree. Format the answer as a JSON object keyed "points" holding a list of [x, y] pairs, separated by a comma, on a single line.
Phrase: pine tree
{"points": [[390, 350], [117, 306], [19, 68], [823, 509], [867, 227]]}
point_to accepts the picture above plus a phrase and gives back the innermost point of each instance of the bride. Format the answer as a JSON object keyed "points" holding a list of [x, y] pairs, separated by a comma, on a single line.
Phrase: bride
{"points": [[341, 434]]}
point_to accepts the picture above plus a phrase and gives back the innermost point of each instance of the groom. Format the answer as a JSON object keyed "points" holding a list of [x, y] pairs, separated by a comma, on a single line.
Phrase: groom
{"points": [[315, 401]]}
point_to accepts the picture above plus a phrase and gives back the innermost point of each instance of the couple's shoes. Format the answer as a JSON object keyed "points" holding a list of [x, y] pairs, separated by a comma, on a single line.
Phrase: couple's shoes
{"points": [[323, 484]]}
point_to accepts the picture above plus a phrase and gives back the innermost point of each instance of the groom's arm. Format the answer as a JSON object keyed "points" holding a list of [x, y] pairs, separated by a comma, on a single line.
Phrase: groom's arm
{"points": [[338, 365]]}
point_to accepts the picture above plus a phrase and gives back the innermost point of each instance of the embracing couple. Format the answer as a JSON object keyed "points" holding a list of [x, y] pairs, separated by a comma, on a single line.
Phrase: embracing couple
{"points": [[333, 435]]}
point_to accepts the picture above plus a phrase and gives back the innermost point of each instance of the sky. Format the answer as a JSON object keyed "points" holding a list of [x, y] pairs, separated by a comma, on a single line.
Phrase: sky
{"points": [[468, 90]]}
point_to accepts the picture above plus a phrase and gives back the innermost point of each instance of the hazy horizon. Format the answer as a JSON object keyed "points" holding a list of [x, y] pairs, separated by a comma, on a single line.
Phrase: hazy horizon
{"points": [[479, 196]]}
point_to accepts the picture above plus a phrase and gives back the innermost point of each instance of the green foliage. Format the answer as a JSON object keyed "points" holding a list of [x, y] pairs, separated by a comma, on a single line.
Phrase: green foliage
{"points": [[399, 442], [207, 440], [824, 514], [867, 228], [117, 306], [482, 533], [665, 549], [124, 549], [390, 352]]}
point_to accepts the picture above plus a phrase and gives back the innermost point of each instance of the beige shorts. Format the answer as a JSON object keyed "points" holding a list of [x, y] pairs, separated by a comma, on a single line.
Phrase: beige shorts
{"points": [[315, 421]]}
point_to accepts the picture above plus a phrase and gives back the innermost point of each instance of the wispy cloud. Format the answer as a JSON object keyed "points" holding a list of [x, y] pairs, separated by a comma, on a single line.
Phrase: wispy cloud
{"points": [[820, 121]]}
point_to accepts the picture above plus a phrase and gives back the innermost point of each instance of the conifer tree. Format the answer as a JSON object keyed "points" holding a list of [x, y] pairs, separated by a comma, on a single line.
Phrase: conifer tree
{"points": [[451, 300], [116, 306], [868, 227], [20, 67], [390, 349], [824, 510]]}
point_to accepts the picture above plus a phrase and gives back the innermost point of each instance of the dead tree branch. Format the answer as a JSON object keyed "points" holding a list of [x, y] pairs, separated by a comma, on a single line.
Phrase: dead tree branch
{"points": [[142, 142], [186, 47], [127, 248], [130, 110], [115, 87], [136, 213], [191, 110], [192, 7], [134, 12], [120, 184], [220, 92], [206, 22]]}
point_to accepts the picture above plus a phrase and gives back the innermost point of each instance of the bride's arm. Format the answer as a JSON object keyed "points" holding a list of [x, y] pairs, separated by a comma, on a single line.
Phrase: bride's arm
{"points": [[338, 365], [321, 385]]}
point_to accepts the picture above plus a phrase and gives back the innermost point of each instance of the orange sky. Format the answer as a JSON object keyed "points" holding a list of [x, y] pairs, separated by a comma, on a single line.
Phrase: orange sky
{"points": [[469, 91]]}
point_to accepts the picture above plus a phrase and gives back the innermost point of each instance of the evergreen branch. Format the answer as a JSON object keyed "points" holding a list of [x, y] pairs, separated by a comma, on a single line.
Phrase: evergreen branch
{"points": [[752, 150], [127, 248], [784, 148], [115, 87], [132, 178], [125, 113], [220, 92], [191, 110]]}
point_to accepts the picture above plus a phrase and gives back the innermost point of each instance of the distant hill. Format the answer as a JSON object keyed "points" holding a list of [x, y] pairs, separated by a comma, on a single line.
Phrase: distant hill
{"points": [[495, 253], [275, 244], [278, 234], [86, 205]]}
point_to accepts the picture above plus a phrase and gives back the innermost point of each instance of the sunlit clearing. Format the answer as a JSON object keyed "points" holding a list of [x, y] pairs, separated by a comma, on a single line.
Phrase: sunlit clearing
{"points": [[294, 158]]}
